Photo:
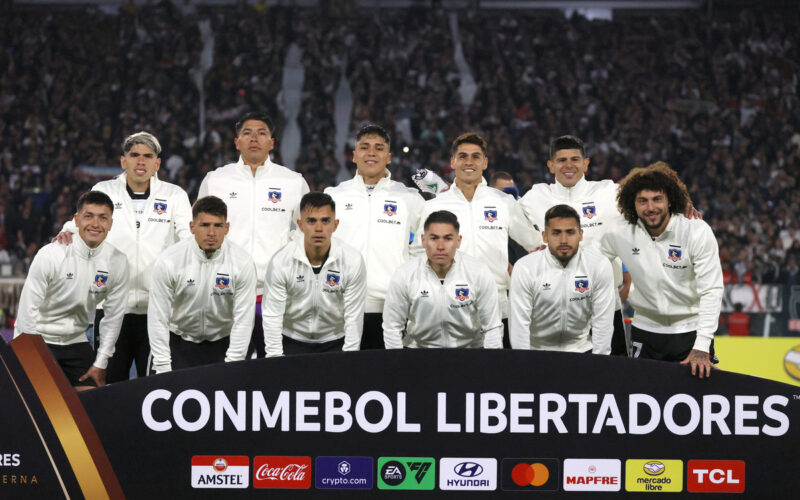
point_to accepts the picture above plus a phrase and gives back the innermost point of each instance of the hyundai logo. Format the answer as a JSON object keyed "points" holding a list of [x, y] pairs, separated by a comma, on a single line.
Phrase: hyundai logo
{"points": [[468, 469]]}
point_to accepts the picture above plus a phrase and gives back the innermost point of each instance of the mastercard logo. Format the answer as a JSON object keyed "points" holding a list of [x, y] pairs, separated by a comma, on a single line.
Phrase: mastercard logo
{"points": [[535, 474]]}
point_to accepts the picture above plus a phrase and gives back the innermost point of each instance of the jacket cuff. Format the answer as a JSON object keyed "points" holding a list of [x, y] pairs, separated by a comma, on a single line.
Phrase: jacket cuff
{"points": [[101, 361], [702, 343]]}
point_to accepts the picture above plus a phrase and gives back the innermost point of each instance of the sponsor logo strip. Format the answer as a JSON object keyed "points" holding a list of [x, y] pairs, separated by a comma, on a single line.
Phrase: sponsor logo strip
{"points": [[468, 474], [282, 472], [406, 473], [715, 476], [220, 471], [344, 473], [594, 474], [654, 475]]}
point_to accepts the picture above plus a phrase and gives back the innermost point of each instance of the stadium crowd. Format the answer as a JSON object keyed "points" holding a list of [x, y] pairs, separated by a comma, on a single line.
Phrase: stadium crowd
{"points": [[716, 97]]}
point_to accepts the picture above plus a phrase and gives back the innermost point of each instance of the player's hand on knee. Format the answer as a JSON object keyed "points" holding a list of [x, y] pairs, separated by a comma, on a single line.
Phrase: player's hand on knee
{"points": [[96, 374], [700, 362]]}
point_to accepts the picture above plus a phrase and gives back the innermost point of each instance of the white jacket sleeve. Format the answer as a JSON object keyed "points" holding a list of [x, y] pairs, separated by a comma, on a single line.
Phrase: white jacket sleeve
{"points": [[244, 312], [183, 216], [416, 208], [354, 297], [114, 311], [203, 190], [489, 311], [395, 310], [606, 244], [33, 291], [159, 310], [604, 298], [520, 307], [520, 228], [708, 274], [273, 307]]}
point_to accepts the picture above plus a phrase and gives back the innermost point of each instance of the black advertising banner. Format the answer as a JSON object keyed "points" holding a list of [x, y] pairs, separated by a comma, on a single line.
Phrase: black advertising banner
{"points": [[448, 423]]}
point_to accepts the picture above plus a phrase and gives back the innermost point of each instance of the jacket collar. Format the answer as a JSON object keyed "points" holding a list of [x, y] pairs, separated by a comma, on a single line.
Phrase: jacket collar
{"points": [[577, 190], [481, 187], [82, 250], [384, 182], [200, 254], [334, 254], [261, 170], [154, 181]]}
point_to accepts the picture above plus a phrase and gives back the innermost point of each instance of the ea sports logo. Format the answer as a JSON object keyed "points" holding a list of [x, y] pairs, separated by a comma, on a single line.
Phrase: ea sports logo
{"points": [[393, 473], [220, 464], [791, 362]]}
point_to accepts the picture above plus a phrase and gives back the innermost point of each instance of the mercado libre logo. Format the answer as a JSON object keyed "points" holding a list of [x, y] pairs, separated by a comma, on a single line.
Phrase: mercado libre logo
{"points": [[526, 474]]}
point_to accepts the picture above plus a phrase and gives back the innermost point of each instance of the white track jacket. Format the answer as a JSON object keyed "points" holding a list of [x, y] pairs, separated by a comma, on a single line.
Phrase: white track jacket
{"points": [[378, 224], [312, 307], [64, 285], [164, 222], [201, 299], [261, 209], [461, 312], [486, 224], [677, 276], [553, 307], [595, 202]]}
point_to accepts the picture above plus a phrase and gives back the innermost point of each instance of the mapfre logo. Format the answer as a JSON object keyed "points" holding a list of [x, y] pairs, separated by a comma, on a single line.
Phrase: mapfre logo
{"points": [[594, 474], [715, 476], [282, 472]]}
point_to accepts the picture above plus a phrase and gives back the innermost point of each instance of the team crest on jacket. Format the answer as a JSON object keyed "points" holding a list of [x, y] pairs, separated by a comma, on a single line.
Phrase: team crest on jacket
{"points": [[462, 294], [160, 207], [490, 215], [582, 285], [222, 282], [332, 279], [274, 195], [100, 278], [390, 209], [674, 254], [589, 211]]}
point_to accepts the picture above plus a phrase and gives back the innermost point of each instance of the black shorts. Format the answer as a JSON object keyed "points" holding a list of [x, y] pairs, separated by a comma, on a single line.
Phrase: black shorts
{"points": [[74, 360], [188, 354], [292, 346], [665, 346]]}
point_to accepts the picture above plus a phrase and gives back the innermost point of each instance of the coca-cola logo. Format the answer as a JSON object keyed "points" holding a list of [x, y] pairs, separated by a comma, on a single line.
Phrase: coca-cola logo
{"points": [[282, 472], [291, 472]]}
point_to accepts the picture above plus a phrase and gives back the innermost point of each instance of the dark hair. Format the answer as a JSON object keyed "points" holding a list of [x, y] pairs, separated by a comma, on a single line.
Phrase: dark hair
{"points": [[566, 142], [561, 212], [442, 217], [94, 198], [255, 115], [317, 199], [500, 174], [469, 138], [373, 129], [656, 177], [210, 205]]}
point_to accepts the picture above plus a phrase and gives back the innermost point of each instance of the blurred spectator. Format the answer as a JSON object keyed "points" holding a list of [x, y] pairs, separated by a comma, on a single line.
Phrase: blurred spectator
{"points": [[738, 322]]}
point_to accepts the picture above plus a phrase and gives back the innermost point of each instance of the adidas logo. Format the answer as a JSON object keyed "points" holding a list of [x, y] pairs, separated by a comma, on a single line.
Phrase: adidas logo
{"points": [[545, 286], [635, 251], [117, 206], [424, 293], [70, 276], [232, 195], [190, 282], [300, 278], [349, 206]]}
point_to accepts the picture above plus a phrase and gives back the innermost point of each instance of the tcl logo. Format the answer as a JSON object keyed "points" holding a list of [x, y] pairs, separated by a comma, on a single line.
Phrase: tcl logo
{"points": [[716, 476], [282, 472]]}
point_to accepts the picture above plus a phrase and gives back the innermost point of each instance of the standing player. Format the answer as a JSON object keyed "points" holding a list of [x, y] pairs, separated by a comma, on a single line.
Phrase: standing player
{"points": [[315, 289], [262, 198], [376, 216], [150, 215], [487, 216], [674, 263], [595, 202], [444, 298], [562, 299], [202, 295], [64, 285]]}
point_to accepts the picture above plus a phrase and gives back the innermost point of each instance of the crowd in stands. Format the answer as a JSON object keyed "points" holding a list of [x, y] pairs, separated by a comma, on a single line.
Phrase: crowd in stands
{"points": [[715, 96]]}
